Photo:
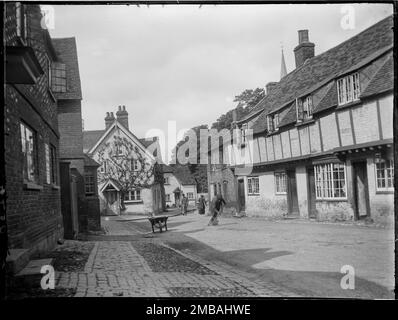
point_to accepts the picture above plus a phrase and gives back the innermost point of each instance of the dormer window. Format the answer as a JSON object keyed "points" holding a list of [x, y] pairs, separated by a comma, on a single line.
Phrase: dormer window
{"points": [[304, 108], [272, 122], [348, 89]]}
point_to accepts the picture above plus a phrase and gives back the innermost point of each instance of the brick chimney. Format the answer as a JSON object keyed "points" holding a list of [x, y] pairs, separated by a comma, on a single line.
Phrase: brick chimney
{"points": [[109, 119], [269, 86], [123, 116], [305, 49]]}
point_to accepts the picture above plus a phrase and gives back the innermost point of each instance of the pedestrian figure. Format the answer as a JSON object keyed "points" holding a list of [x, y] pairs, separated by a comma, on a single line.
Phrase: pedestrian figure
{"points": [[202, 205], [184, 205], [216, 207]]}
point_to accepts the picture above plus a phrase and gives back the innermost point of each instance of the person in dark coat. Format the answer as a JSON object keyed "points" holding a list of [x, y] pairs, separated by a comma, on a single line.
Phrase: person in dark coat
{"points": [[184, 205], [216, 207], [202, 205]]}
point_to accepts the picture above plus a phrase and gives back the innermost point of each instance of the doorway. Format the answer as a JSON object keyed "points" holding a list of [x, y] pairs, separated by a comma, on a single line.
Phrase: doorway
{"points": [[112, 201], [241, 195], [361, 193], [311, 193], [292, 200]]}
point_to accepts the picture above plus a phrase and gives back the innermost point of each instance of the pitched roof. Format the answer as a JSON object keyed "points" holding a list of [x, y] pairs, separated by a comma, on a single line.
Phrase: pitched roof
{"points": [[90, 162], [322, 68], [90, 138], [183, 175], [382, 81], [67, 53]]}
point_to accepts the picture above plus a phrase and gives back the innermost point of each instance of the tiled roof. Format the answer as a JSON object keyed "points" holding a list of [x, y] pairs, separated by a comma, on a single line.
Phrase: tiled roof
{"points": [[183, 175], [90, 138], [328, 65], [382, 81], [290, 116], [329, 100], [90, 162], [67, 53]]}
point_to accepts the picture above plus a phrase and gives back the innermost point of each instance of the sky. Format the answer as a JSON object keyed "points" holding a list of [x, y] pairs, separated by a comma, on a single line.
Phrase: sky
{"points": [[185, 64]]}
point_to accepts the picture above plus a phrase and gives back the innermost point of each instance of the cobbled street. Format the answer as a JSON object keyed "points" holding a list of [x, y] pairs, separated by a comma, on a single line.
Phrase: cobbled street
{"points": [[192, 259]]}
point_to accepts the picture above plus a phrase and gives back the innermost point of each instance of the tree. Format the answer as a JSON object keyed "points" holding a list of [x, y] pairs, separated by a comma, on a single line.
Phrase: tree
{"points": [[247, 100], [127, 165]]}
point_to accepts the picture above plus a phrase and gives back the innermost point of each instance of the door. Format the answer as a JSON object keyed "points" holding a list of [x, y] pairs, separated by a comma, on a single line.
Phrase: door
{"points": [[241, 195], [311, 193], [112, 202], [292, 200], [361, 194]]}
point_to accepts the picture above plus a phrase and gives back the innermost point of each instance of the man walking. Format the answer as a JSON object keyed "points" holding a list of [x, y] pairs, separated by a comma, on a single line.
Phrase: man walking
{"points": [[216, 206], [184, 205]]}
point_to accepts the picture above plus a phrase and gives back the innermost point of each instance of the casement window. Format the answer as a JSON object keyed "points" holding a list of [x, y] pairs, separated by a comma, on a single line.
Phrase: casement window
{"points": [[166, 180], [304, 108], [89, 184], [272, 122], [168, 197], [385, 175], [58, 75], [190, 195], [21, 21], [29, 151], [134, 164], [51, 164], [49, 71], [253, 186], [330, 182], [348, 89], [134, 195], [280, 182]]}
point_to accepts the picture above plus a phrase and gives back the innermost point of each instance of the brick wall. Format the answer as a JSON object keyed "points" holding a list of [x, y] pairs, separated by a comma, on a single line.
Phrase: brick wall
{"points": [[70, 129], [34, 216]]}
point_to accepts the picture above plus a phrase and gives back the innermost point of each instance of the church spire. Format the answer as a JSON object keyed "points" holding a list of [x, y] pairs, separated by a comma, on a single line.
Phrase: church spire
{"points": [[283, 66]]}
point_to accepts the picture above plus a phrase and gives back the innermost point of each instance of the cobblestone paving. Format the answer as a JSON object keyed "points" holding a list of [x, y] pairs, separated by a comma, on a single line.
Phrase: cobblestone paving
{"points": [[116, 268]]}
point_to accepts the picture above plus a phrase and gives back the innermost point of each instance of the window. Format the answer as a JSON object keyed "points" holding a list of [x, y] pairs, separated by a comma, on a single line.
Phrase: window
{"points": [[49, 70], [29, 147], [166, 180], [330, 181], [280, 183], [48, 166], [348, 89], [253, 186], [385, 175], [21, 19], [304, 108], [89, 184], [190, 195], [58, 75], [134, 164], [168, 197], [273, 122], [53, 163], [134, 195]]}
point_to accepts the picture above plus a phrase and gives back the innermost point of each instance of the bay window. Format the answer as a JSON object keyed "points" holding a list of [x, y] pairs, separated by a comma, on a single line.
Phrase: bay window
{"points": [[330, 182]]}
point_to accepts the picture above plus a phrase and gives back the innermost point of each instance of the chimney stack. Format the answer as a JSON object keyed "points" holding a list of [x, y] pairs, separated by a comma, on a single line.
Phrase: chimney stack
{"points": [[305, 49], [269, 86], [123, 117], [109, 119]]}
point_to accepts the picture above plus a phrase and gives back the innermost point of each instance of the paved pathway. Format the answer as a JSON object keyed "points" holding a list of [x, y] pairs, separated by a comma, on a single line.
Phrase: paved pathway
{"points": [[115, 268]]}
